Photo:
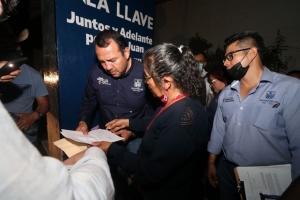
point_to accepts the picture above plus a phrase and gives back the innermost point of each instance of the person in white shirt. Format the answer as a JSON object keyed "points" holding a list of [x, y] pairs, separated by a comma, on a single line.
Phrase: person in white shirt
{"points": [[25, 174]]}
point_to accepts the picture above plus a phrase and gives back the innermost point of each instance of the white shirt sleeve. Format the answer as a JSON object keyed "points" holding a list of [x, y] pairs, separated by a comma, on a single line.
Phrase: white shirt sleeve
{"points": [[25, 174]]}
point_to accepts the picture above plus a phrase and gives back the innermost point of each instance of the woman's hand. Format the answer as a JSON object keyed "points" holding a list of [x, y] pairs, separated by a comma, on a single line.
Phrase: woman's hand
{"points": [[126, 134], [117, 124], [102, 145]]}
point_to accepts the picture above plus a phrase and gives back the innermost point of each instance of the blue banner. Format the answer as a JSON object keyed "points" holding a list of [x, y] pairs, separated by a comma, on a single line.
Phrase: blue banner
{"points": [[77, 23]]}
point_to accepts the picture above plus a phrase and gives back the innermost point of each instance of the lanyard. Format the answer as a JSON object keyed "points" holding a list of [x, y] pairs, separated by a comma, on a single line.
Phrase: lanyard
{"points": [[177, 98]]}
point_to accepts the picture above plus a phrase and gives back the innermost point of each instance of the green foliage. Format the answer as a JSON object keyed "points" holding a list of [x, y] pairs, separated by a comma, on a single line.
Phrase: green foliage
{"points": [[198, 44], [215, 59], [273, 58]]}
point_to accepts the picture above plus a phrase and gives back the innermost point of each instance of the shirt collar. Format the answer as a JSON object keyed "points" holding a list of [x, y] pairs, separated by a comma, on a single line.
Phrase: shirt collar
{"points": [[266, 77]]}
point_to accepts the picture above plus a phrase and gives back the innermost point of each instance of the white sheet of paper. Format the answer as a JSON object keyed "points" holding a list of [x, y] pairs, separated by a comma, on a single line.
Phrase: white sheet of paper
{"points": [[271, 180], [98, 135]]}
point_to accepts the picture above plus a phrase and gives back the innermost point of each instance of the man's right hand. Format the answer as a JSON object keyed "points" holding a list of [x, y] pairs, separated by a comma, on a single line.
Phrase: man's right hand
{"points": [[212, 175], [10, 77], [83, 127]]}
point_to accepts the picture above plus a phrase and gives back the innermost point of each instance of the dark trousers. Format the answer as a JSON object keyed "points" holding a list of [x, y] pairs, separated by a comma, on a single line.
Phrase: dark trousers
{"points": [[227, 181]]}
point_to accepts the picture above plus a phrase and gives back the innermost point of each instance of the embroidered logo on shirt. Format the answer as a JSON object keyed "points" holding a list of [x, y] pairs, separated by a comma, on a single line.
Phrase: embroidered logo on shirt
{"points": [[137, 85], [269, 99], [137, 82], [270, 94], [103, 81], [229, 99]]}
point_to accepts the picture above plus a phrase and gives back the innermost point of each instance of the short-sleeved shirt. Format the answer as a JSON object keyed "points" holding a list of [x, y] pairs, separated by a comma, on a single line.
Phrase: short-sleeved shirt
{"points": [[264, 127], [27, 86], [18, 95]]}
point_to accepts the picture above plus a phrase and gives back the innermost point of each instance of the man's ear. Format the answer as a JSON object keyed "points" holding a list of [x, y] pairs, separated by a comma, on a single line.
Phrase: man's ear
{"points": [[253, 52], [127, 53]]}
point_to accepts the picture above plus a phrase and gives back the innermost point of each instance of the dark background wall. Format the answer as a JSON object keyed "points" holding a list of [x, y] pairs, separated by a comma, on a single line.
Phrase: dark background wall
{"points": [[214, 20]]}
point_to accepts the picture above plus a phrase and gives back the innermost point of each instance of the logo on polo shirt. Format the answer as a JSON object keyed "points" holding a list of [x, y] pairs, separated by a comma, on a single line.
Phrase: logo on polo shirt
{"points": [[137, 85], [103, 81], [270, 94]]}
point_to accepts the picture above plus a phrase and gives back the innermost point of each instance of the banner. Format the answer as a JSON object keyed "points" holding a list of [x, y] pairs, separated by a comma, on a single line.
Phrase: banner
{"points": [[77, 24]]}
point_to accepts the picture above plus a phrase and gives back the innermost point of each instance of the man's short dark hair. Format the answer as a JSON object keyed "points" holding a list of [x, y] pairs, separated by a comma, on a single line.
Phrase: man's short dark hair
{"points": [[104, 38], [200, 52], [247, 39]]}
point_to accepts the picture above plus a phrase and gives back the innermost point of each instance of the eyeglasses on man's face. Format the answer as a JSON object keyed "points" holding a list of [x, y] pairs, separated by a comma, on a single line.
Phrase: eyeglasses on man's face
{"points": [[229, 56]]}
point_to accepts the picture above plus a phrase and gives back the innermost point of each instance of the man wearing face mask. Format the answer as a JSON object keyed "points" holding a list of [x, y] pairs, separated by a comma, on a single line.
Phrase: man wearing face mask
{"points": [[257, 119], [201, 59]]}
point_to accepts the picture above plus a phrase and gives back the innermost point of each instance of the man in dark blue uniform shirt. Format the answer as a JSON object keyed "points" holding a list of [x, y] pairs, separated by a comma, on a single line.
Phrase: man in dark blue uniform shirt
{"points": [[115, 88]]}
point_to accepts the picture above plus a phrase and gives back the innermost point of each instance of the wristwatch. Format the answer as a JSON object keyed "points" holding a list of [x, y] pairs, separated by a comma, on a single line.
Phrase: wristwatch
{"points": [[40, 114]]}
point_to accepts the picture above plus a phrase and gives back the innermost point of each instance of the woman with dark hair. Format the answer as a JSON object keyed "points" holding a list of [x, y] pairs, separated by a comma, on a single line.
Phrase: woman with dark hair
{"points": [[168, 161], [218, 79]]}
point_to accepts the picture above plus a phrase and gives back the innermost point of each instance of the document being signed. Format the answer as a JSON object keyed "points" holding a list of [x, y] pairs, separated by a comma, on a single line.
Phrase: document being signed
{"points": [[97, 135], [75, 142]]}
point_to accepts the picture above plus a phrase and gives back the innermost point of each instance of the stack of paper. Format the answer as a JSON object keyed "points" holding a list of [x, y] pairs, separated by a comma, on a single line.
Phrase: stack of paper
{"points": [[76, 142], [98, 135], [264, 180]]}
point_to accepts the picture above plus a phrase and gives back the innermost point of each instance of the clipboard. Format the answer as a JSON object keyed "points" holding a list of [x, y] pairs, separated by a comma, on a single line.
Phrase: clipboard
{"points": [[263, 182], [240, 187]]}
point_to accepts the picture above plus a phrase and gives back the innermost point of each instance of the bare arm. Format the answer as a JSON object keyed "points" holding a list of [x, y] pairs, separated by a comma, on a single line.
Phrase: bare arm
{"points": [[72, 160], [211, 170]]}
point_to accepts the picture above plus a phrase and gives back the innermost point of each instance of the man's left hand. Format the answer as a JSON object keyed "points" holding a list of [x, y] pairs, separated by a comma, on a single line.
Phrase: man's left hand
{"points": [[26, 120]]}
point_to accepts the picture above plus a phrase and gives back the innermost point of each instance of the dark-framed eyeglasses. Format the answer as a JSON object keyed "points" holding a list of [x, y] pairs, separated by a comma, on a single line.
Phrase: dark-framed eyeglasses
{"points": [[229, 56]]}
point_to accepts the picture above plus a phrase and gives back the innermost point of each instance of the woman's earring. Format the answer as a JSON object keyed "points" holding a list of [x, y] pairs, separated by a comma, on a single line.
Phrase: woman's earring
{"points": [[164, 99]]}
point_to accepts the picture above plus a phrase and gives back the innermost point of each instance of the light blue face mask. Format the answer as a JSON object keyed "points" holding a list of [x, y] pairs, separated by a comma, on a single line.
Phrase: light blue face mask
{"points": [[200, 65]]}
